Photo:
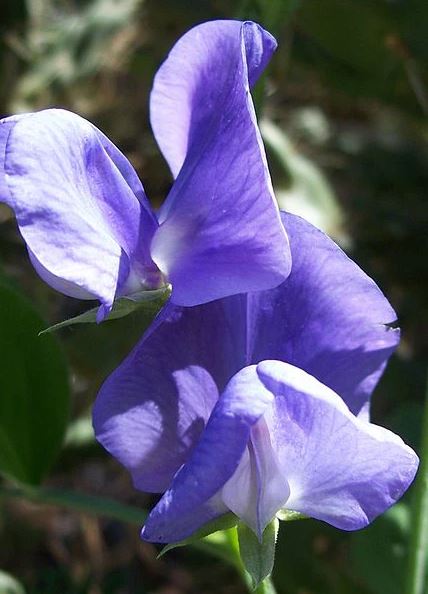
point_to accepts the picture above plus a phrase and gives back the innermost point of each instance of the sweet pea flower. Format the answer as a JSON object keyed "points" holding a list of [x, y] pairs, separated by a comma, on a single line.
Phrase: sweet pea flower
{"points": [[259, 403], [84, 215]]}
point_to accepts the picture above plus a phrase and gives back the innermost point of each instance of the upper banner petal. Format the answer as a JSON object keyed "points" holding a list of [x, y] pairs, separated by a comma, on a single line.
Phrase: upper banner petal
{"points": [[329, 318], [340, 468], [189, 83], [220, 232], [79, 205], [213, 461]]}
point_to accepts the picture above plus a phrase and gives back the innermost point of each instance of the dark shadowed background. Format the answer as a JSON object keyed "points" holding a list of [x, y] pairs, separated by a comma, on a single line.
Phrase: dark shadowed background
{"points": [[344, 108]]}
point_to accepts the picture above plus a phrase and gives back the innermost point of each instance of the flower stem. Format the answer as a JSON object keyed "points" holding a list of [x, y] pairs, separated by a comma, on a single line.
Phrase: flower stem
{"points": [[419, 533], [266, 587]]}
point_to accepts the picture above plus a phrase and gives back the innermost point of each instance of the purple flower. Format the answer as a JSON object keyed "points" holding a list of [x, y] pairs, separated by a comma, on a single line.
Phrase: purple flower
{"points": [[255, 403], [82, 210]]}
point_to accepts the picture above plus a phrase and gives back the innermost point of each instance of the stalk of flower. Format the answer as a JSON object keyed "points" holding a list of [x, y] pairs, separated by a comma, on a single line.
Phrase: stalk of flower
{"points": [[83, 212], [259, 403]]}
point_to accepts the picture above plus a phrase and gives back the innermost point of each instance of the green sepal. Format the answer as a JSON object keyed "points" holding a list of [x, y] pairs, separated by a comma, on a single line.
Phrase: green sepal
{"points": [[122, 307], [258, 556], [288, 515], [224, 522]]}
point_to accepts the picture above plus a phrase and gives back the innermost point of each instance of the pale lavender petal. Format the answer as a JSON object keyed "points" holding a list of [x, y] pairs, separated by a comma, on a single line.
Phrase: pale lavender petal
{"points": [[151, 411], [212, 462], [220, 232], [258, 489], [340, 469], [78, 204], [57, 283], [6, 126], [240, 492], [329, 318]]}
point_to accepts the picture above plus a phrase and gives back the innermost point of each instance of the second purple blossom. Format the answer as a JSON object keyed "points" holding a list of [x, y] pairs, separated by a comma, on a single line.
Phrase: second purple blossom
{"points": [[83, 212]]}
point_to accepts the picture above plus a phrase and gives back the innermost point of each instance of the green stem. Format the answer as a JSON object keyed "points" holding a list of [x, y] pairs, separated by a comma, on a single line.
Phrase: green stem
{"points": [[266, 587], [419, 532]]}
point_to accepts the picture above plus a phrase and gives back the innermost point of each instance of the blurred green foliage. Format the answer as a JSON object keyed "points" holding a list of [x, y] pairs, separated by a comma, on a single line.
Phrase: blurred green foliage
{"points": [[9, 585], [34, 406], [346, 99]]}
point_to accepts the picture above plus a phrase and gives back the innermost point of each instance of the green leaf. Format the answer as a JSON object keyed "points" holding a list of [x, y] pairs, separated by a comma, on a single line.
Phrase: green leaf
{"points": [[225, 522], [34, 403], [121, 308], [258, 557], [9, 585]]}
